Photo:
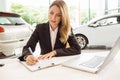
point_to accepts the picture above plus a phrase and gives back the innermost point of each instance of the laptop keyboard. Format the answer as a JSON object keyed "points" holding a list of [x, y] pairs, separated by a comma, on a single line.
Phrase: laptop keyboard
{"points": [[93, 62]]}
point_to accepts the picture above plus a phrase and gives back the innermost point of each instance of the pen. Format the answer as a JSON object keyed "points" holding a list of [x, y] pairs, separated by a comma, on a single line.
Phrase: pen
{"points": [[30, 50]]}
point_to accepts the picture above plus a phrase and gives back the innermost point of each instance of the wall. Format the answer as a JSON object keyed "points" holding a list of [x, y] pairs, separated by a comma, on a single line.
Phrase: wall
{"points": [[5, 5]]}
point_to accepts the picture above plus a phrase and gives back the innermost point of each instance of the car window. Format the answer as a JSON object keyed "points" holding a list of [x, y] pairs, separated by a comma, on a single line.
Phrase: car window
{"points": [[12, 21], [107, 21], [16, 20], [4, 20]]}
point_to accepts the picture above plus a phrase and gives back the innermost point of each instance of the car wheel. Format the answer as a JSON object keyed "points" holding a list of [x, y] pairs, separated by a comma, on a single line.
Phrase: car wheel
{"points": [[82, 40]]}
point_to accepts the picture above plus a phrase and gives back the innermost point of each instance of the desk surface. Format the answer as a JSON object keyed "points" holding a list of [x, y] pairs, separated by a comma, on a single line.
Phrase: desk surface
{"points": [[13, 70]]}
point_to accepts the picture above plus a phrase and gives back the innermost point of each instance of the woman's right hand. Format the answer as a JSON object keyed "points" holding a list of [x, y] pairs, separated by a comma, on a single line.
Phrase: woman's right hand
{"points": [[31, 60]]}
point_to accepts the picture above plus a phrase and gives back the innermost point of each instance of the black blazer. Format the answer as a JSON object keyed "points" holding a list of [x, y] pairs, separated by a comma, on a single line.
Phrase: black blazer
{"points": [[42, 35]]}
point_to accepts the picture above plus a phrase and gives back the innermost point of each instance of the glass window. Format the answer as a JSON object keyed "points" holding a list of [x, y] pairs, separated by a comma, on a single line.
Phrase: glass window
{"points": [[107, 21], [4, 20], [16, 20]]}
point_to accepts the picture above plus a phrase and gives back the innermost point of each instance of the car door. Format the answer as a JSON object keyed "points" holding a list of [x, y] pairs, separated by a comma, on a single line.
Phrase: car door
{"points": [[106, 32]]}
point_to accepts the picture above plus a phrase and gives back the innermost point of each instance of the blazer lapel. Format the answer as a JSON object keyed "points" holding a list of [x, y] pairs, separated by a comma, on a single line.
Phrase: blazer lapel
{"points": [[57, 42], [47, 36]]}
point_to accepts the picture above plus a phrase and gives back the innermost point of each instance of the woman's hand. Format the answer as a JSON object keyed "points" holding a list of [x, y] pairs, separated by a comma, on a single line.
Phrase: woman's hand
{"points": [[48, 55], [31, 60]]}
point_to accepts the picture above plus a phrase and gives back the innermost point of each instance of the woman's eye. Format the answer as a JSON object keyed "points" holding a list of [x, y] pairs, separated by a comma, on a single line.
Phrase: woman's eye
{"points": [[58, 15], [51, 13]]}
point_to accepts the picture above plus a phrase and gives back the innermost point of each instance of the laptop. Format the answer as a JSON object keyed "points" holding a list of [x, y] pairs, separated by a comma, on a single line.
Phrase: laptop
{"points": [[95, 63]]}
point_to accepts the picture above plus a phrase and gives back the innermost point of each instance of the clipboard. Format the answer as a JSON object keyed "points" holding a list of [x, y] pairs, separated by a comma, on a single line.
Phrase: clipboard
{"points": [[42, 64]]}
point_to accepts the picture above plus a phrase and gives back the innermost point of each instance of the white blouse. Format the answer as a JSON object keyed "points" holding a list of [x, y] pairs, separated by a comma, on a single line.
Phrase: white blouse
{"points": [[53, 34]]}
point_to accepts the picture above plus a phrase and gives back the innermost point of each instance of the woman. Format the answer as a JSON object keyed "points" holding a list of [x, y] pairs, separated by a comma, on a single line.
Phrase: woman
{"points": [[52, 36]]}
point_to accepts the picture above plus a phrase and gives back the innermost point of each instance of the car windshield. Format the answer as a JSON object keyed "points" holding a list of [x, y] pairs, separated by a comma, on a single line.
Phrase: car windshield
{"points": [[11, 21]]}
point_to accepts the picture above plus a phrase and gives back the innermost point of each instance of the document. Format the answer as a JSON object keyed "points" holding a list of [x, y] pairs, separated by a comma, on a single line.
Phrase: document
{"points": [[45, 63]]}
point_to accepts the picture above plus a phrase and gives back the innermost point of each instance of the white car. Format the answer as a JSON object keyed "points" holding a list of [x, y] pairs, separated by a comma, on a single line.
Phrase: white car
{"points": [[102, 31], [14, 33]]}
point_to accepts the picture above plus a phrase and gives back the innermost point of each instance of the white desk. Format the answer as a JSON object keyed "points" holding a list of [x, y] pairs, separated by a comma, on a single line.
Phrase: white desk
{"points": [[13, 70]]}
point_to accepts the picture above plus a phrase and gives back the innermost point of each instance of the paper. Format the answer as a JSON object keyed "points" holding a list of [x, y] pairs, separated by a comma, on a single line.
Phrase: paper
{"points": [[41, 64]]}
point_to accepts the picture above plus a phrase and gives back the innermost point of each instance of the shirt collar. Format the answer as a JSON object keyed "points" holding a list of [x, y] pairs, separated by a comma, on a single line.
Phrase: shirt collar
{"points": [[52, 30]]}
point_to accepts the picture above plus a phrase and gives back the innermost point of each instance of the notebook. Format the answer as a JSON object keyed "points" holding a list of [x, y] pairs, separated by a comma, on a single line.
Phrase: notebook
{"points": [[95, 63]]}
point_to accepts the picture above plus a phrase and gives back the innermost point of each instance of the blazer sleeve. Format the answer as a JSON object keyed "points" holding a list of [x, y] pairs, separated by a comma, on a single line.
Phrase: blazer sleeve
{"points": [[31, 43], [72, 50]]}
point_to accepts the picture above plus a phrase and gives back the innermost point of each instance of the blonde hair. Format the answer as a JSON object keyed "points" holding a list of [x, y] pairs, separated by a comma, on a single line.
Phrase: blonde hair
{"points": [[65, 21]]}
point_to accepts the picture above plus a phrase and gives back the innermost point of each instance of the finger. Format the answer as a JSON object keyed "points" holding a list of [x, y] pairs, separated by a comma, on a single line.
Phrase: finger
{"points": [[29, 63], [46, 56], [32, 60], [35, 59], [43, 56], [50, 56]]}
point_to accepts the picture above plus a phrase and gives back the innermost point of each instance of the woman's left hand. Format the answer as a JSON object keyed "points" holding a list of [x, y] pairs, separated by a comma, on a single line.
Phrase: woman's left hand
{"points": [[48, 55]]}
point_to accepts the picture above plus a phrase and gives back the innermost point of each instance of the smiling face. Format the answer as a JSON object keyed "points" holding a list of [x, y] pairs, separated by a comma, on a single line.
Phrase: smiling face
{"points": [[54, 16]]}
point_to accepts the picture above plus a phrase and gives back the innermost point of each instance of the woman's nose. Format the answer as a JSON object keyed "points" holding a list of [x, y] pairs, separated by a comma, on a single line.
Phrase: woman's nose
{"points": [[53, 17]]}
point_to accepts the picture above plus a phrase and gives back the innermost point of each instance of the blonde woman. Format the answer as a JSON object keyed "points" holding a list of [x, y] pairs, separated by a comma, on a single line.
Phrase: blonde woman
{"points": [[52, 36]]}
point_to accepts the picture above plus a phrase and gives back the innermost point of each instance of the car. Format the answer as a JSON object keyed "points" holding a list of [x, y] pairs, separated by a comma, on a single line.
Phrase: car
{"points": [[101, 31], [14, 33]]}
